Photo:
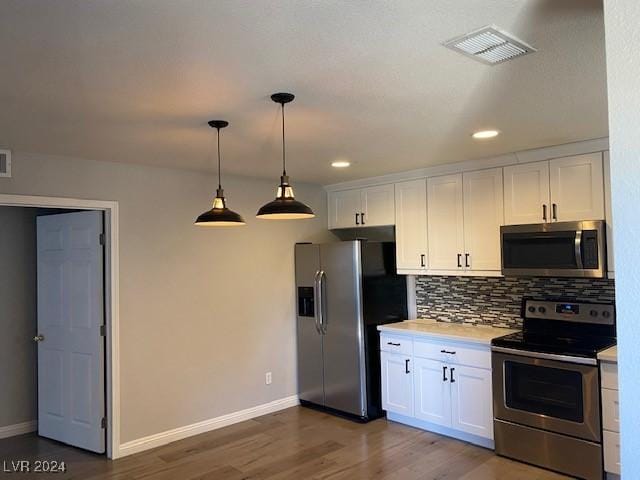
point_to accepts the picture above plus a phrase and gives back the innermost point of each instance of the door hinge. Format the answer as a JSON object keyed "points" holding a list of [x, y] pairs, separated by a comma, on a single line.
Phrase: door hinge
{"points": [[103, 330], [103, 422], [101, 239]]}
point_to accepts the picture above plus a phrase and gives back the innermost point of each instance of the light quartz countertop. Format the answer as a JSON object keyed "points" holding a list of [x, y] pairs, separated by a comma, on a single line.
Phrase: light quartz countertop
{"points": [[609, 355], [452, 331]]}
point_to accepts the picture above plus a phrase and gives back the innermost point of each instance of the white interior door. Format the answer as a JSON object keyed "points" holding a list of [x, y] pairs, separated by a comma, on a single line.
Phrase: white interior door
{"points": [[483, 216], [577, 188], [378, 206], [526, 193], [411, 224], [71, 392], [445, 222]]}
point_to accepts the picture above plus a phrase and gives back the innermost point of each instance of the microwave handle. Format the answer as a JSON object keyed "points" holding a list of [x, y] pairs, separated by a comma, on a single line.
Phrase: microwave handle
{"points": [[578, 249]]}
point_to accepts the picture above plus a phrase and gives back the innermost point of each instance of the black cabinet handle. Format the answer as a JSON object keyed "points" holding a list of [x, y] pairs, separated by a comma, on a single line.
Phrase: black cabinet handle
{"points": [[422, 260], [362, 218], [444, 374], [459, 260], [406, 366], [554, 211], [447, 351], [544, 213], [357, 219], [394, 344], [452, 379], [466, 260]]}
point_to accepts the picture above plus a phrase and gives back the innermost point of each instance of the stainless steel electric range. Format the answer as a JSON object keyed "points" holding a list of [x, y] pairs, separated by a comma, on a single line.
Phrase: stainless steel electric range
{"points": [[546, 386]]}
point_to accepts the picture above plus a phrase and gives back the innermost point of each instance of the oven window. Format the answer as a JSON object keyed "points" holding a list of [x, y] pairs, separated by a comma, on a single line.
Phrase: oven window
{"points": [[543, 390], [545, 250]]}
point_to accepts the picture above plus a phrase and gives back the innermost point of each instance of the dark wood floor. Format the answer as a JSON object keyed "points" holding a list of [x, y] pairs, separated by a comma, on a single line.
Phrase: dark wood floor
{"points": [[295, 444]]}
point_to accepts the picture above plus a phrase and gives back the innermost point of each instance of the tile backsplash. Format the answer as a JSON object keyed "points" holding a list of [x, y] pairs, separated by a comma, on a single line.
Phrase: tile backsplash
{"points": [[496, 300]]}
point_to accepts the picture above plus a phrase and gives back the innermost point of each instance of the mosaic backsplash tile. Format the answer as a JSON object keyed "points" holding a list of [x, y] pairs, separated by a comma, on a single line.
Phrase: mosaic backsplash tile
{"points": [[496, 300]]}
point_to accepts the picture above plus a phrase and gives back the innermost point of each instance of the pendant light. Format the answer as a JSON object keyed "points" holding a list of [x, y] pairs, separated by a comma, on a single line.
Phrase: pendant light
{"points": [[285, 206], [219, 215]]}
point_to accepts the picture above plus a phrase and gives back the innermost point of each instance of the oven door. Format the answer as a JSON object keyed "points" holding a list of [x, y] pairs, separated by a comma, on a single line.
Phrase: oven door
{"points": [[553, 395]]}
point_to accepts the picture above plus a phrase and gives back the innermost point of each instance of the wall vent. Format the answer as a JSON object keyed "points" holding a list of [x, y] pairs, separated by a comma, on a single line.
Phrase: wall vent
{"points": [[489, 45], [5, 163]]}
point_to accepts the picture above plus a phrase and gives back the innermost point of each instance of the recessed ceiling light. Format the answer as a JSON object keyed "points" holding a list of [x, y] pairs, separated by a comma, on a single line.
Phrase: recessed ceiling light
{"points": [[340, 164], [482, 134]]}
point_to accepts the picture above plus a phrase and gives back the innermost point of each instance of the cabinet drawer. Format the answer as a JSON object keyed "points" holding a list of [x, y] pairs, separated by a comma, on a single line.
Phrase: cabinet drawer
{"points": [[610, 410], [611, 444], [455, 353], [609, 375], [396, 344]]}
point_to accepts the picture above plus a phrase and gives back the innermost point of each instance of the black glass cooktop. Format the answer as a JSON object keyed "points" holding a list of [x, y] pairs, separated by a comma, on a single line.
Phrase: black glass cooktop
{"points": [[583, 346]]}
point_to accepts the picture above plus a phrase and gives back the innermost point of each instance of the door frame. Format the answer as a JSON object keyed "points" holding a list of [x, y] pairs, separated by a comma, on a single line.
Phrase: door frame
{"points": [[112, 298]]}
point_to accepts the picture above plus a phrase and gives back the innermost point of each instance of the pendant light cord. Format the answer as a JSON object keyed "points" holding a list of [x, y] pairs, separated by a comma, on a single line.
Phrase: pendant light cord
{"points": [[284, 164], [219, 174]]}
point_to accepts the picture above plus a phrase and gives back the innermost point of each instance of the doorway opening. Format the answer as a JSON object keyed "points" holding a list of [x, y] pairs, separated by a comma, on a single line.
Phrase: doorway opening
{"points": [[59, 321]]}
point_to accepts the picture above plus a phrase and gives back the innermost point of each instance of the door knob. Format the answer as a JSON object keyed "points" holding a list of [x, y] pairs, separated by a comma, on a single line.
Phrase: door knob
{"points": [[38, 338]]}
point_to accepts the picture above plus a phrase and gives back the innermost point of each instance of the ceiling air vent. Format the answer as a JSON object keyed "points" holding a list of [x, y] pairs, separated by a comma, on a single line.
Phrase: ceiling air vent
{"points": [[5, 163], [489, 45]]}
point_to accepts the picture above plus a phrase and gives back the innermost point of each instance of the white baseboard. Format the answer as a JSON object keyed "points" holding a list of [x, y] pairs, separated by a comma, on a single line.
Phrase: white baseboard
{"points": [[162, 438], [18, 429]]}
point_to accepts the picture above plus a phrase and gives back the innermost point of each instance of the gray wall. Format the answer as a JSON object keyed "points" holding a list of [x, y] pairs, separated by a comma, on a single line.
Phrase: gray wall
{"points": [[496, 300], [622, 18], [204, 312], [17, 315]]}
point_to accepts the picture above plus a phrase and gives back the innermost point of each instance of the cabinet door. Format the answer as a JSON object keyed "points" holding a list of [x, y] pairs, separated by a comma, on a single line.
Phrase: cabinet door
{"points": [[471, 400], [526, 193], [432, 391], [483, 216], [577, 188], [445, 222], [343, 207], [378, 206], [411, 224], [397, 383], [607, 212]]}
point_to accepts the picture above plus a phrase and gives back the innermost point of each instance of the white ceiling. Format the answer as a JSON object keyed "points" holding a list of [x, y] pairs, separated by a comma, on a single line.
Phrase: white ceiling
{"points": [[137, 81]]}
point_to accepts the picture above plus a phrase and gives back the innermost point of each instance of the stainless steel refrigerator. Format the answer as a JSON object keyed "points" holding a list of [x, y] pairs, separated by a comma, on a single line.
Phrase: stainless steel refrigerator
{"points": [[344, 291]]}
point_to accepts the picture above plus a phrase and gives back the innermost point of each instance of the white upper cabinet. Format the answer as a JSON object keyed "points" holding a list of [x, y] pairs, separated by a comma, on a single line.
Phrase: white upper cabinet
{"points": [[577, 188], [483, 216], [607, 212], [371, 206], [377, 206], [343, 207], [526, 193], [560, 190], [445, 222], [411, 225]]}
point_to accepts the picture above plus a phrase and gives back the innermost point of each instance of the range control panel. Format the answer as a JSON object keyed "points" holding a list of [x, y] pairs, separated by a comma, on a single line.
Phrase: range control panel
{"points": [[601, 313]]}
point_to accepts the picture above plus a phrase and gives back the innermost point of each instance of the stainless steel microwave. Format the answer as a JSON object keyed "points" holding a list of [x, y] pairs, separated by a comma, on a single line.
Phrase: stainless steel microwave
{"points": [[560, 249]]}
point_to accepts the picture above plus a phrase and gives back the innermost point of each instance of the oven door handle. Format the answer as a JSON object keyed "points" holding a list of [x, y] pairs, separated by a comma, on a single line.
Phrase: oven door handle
{"points": [[546, 356], [578, 249]]}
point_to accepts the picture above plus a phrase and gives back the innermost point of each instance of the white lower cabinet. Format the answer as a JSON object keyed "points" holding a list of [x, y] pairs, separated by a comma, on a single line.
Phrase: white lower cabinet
{"points": [[610, 417], [432, 392], [471, 400], [397, 383], [440, 386]]}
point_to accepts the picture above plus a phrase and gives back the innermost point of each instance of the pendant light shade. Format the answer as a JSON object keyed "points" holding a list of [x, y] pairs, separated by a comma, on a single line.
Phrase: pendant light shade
{"points": [[285, 206], [219, 215]]}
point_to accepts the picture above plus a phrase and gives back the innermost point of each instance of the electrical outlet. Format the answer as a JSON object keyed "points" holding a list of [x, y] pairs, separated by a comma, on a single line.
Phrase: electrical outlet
{"points": [[267, 378]]}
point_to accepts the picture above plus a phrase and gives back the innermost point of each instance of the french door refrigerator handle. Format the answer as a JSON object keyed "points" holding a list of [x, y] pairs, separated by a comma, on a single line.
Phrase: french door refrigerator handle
{"points": [[317, 300], [323, 324]]}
